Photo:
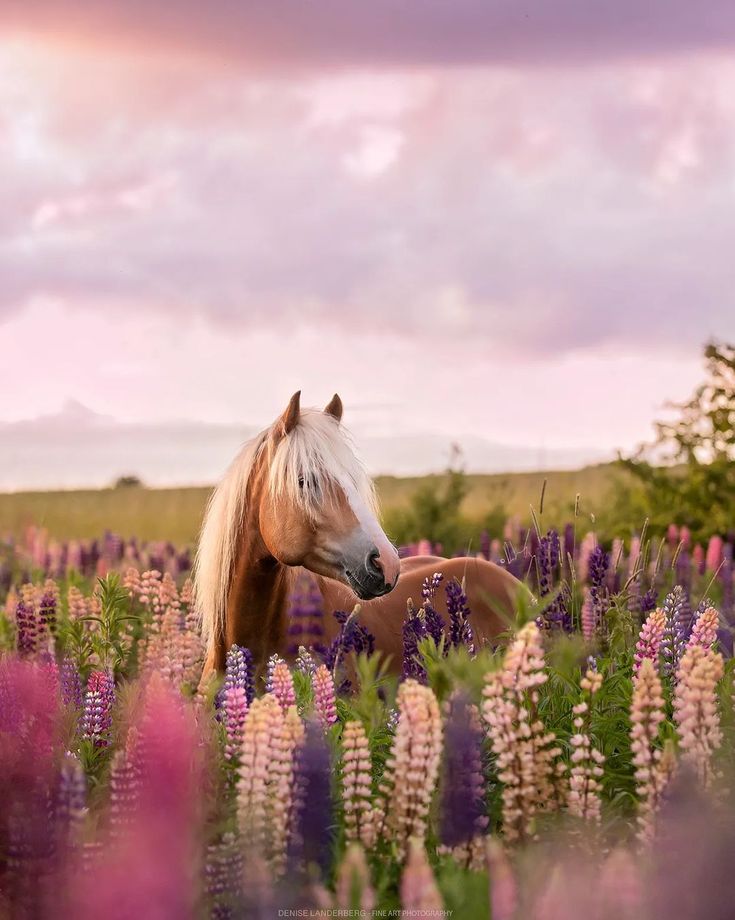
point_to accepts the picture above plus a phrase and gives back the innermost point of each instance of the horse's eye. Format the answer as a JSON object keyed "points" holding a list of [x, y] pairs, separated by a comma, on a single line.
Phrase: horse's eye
{"points": [[301, 482]]}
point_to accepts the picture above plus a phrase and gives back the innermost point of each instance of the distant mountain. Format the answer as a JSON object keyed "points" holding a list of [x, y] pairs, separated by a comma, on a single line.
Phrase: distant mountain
{"points": [[78, 447]]}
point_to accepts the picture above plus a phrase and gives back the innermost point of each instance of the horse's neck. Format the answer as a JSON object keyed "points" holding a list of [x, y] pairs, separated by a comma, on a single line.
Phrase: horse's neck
{"points": [[256, 602]]}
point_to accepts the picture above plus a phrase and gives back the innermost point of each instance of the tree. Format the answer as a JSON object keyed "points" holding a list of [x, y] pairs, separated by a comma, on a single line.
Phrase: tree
{"points": [[687, 476]]}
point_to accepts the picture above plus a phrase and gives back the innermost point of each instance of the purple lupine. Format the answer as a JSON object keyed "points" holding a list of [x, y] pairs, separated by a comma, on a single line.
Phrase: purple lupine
{"points": [[414, 630], [460, 630], [27, 629], [485, 544], [673, 641], [649, 601], [463, 810], [98, 702], [47, 612], [431, 585], [433, 621], [222, 871], [597, 566], [726, 576], [305, 616], [556, 614], [569, 541], [239, 672], [70, 684], [352, 637], [313, 808]]}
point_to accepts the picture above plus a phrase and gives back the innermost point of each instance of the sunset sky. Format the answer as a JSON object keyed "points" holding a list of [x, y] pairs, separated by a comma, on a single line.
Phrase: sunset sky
{"points": [[513, 223]]}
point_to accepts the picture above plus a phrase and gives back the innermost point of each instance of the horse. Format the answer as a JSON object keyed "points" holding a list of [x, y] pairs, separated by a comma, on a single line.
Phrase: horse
{"points": [[296, 499]]}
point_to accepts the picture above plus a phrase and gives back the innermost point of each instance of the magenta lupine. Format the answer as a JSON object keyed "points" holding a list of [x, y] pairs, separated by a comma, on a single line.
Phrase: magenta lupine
{"points": [[649, 639], [713, 559], [98, 702], [325, 701]]}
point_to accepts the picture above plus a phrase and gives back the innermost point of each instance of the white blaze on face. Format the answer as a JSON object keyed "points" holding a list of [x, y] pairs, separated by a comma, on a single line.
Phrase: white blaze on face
{"points": [[373, 532]]}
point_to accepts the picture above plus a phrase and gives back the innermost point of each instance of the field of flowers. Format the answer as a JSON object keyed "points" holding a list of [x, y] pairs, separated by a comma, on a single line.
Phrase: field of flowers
{"points": [[583, 768]]}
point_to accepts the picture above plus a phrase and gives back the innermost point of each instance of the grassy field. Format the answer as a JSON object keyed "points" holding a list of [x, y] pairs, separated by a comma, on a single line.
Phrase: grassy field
{"points": [[175, 514]]}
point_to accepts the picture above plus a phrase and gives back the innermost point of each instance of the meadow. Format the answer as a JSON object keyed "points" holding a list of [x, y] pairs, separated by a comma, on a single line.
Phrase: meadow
{"points": [[175, 514], [563, 773]]}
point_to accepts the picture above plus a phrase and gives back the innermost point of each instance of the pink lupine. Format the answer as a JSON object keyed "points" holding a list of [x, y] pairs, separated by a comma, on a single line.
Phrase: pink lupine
{"points": [[356, 785], [412, 768], [588, 616], [704, 631], [325, 703], [714, 557], [586, 770], [419, 891], [281, 684], [234, 710], [527, 755], [646, 714], [649, 639], [696, 710], [503, 884]]}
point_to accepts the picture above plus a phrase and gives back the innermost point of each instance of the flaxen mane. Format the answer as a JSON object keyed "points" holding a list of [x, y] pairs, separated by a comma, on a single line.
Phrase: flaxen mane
{"points": [[300, 465]]}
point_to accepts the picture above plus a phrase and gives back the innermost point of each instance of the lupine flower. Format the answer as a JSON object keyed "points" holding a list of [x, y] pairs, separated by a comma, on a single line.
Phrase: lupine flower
{"points": [[311, 838], [460, 630], [356, 785], [597, 570], [305, 615], [704, 631], [588, 615], [713, 558], [70, 684], [584, 778], [234, 710], [431, 585], [280, 682], [352, 637], [71, 800], [98, 702], [527, 758], [239, 671], [649, 600], [419, 891], [463, 815], [352, 889], [27, 628], [673, 640], [649, 639], [222, 871], [305, 662], [325, 703], [503, 885], [263, 723], [433, 622], [413, 765], [414, 630], [695, 709], [556, 614], [646, 715]]}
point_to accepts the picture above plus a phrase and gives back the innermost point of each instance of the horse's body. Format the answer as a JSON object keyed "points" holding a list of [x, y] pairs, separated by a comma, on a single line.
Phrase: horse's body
{"points": [[279, 510]]}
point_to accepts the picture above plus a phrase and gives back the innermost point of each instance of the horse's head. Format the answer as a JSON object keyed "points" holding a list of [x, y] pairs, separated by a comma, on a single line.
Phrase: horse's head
{"points": [[316, 504]]}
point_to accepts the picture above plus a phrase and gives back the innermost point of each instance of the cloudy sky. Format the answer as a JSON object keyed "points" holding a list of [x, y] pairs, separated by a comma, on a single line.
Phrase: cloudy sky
{"points": [[505, 225]]}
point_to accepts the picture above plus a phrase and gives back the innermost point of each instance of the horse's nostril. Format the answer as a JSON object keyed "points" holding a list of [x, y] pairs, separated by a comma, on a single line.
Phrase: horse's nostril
{"points": [[373, 563]]}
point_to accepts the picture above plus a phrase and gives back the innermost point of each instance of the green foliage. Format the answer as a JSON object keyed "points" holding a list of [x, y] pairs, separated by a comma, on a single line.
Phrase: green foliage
{"points": [[688, 475], [434, 514]]}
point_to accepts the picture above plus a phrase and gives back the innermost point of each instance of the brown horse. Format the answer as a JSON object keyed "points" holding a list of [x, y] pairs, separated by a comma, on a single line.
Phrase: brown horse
{"points": [[297, 497]]}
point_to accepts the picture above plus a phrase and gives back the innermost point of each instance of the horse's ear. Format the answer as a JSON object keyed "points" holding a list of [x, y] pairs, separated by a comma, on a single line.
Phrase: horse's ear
{"points": [[334, 407], [290, 418]]}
